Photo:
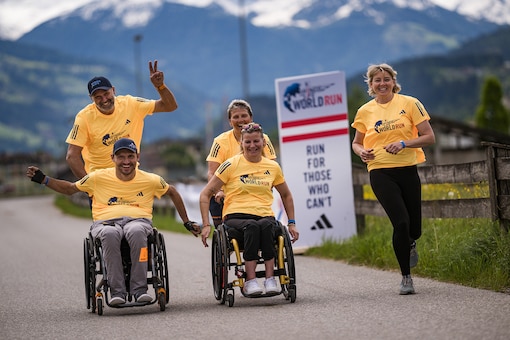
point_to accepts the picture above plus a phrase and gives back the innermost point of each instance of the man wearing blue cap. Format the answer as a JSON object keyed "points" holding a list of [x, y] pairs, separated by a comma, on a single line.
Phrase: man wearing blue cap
{"points": [[122, 201], [108, 118]]}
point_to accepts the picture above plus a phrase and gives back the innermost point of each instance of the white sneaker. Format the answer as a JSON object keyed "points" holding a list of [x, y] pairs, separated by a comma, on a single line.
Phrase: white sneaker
{"points": [[144, 298], [252, 288], [271, 286], [117, 300]]}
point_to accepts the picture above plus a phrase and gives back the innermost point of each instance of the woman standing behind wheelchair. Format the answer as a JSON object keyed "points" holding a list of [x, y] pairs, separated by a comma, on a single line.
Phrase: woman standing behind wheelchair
{"points": [[226, 145], [247, 180]]}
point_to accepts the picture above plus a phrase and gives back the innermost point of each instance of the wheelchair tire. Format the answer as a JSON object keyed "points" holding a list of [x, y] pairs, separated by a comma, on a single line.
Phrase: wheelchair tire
{"points": [[162, 301], [216, 266], [290, 269], [292, 293], [89, 273], [99, 306], [163, 268], [230, 299], [289, 256], [224, 263]]}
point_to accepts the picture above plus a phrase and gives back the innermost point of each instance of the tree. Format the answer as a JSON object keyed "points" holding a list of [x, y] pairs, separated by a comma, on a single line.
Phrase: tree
{"points": [[177, 156], [491, 113]]}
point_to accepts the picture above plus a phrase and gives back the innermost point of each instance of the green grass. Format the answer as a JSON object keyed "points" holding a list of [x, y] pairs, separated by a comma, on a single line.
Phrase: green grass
{"points": [[470, 252]]}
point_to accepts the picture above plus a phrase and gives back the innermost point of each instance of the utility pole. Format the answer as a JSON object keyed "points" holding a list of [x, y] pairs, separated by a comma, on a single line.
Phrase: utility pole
{"points": [[244, 52], [138, 62]]}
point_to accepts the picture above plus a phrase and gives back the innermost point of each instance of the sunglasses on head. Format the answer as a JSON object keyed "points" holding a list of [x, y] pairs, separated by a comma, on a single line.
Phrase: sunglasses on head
{"points": [[251, 127]]}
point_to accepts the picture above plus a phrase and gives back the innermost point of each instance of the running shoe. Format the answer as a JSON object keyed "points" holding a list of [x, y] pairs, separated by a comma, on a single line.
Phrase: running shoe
{"points": [[406, 286], [271, 286], [252, 288]]}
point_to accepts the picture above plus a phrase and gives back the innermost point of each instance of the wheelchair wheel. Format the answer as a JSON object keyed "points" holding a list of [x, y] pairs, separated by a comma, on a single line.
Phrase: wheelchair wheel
{"points": [[163, 272], [99, 306], [162, 301], [218, 265], [230, 298], [290, 269], [89, 267]]}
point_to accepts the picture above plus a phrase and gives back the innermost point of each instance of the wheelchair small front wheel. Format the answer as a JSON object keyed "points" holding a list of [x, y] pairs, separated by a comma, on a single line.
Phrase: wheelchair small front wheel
{"points": [[230, 299], [292, 293], [162, 301], [99, 306]]}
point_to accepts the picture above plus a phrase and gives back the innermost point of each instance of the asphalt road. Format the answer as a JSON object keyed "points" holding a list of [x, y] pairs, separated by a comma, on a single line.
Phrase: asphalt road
{"points": [[42, 295]]}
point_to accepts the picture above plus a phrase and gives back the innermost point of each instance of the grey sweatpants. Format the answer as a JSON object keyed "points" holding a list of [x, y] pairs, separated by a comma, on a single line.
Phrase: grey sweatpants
{"points": [[135, 231]]}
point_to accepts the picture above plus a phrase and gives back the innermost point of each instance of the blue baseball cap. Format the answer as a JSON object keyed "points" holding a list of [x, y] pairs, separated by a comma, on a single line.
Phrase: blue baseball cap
{"points": [[124, 143], [98, 83]]}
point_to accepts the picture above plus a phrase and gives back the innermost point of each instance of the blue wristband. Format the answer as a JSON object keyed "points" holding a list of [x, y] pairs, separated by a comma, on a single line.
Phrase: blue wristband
{"points": [[291, 222], [47, 180], [403, 144]]}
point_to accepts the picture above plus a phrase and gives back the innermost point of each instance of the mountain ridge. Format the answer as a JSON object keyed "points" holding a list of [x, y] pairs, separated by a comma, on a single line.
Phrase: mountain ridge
{"points": [[46, 72], [209, 52]]}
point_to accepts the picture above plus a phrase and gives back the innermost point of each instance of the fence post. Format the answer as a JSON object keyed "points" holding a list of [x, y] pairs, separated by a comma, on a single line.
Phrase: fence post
{"points": [[360, 219], [499, 186]]}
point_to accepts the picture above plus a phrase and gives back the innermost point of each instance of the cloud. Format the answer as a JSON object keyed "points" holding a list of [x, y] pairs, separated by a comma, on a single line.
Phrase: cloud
{"points": [[18, 17]]}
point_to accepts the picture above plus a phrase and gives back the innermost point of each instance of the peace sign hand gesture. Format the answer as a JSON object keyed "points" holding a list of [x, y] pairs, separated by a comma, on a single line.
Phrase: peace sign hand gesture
{"points": [[157, 77]]}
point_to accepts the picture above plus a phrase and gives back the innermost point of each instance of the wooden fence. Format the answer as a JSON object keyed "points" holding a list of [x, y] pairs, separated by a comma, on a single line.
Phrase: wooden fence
{"points": [[495, 171]]}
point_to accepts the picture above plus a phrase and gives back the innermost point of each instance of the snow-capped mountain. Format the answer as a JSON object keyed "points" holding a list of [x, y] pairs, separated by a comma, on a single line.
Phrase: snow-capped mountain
{"points": [[201, 44], [197, 44], [18, 17]]}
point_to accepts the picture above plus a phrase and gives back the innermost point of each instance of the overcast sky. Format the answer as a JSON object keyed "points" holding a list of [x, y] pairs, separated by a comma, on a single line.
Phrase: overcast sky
{"points": [[20, 16]]}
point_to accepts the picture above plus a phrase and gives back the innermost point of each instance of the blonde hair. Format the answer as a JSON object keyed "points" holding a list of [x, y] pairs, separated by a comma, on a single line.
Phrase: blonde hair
{"points": [[376, 68], [250, 128]]}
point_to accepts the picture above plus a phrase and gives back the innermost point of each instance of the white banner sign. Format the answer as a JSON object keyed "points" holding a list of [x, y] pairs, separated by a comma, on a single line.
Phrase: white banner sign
{"points": [[315, 155]]}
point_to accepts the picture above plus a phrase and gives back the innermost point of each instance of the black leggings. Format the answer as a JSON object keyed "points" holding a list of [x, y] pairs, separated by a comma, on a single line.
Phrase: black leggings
{"points": [[253, 233], [399, 192]]}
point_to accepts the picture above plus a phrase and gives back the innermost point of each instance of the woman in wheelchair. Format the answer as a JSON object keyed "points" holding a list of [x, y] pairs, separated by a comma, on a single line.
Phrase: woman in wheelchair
{"points": [[122, 201], [247, 180]]}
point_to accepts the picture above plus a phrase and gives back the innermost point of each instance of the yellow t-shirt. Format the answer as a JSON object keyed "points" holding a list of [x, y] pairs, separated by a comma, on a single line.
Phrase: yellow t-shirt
{"points": [[113, 198], [386, 123], [249, 186], [226, 145], [96, 132]]}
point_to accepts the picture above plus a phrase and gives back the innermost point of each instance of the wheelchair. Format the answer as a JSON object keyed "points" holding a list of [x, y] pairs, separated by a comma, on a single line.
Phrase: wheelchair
{"points": [[94, 265], [225, 247]]}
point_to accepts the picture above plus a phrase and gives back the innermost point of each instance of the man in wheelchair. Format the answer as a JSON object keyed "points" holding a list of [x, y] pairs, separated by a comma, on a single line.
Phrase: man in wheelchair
{"points": [[247, 180], [122, 202]]}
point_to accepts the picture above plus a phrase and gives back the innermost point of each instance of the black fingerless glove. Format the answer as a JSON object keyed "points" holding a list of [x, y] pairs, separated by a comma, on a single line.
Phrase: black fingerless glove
{"points": [[38, 177], [189, 225]]}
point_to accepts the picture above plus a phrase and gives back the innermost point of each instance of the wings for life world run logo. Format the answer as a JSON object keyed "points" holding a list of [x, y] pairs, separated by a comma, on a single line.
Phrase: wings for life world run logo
{"points": [[110, 138], [120, 201], [304, 96], [390, 125]]}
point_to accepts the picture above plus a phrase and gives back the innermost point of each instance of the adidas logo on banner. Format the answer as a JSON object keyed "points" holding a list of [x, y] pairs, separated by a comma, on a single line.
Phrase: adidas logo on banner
{"points": [[322, 223]]}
